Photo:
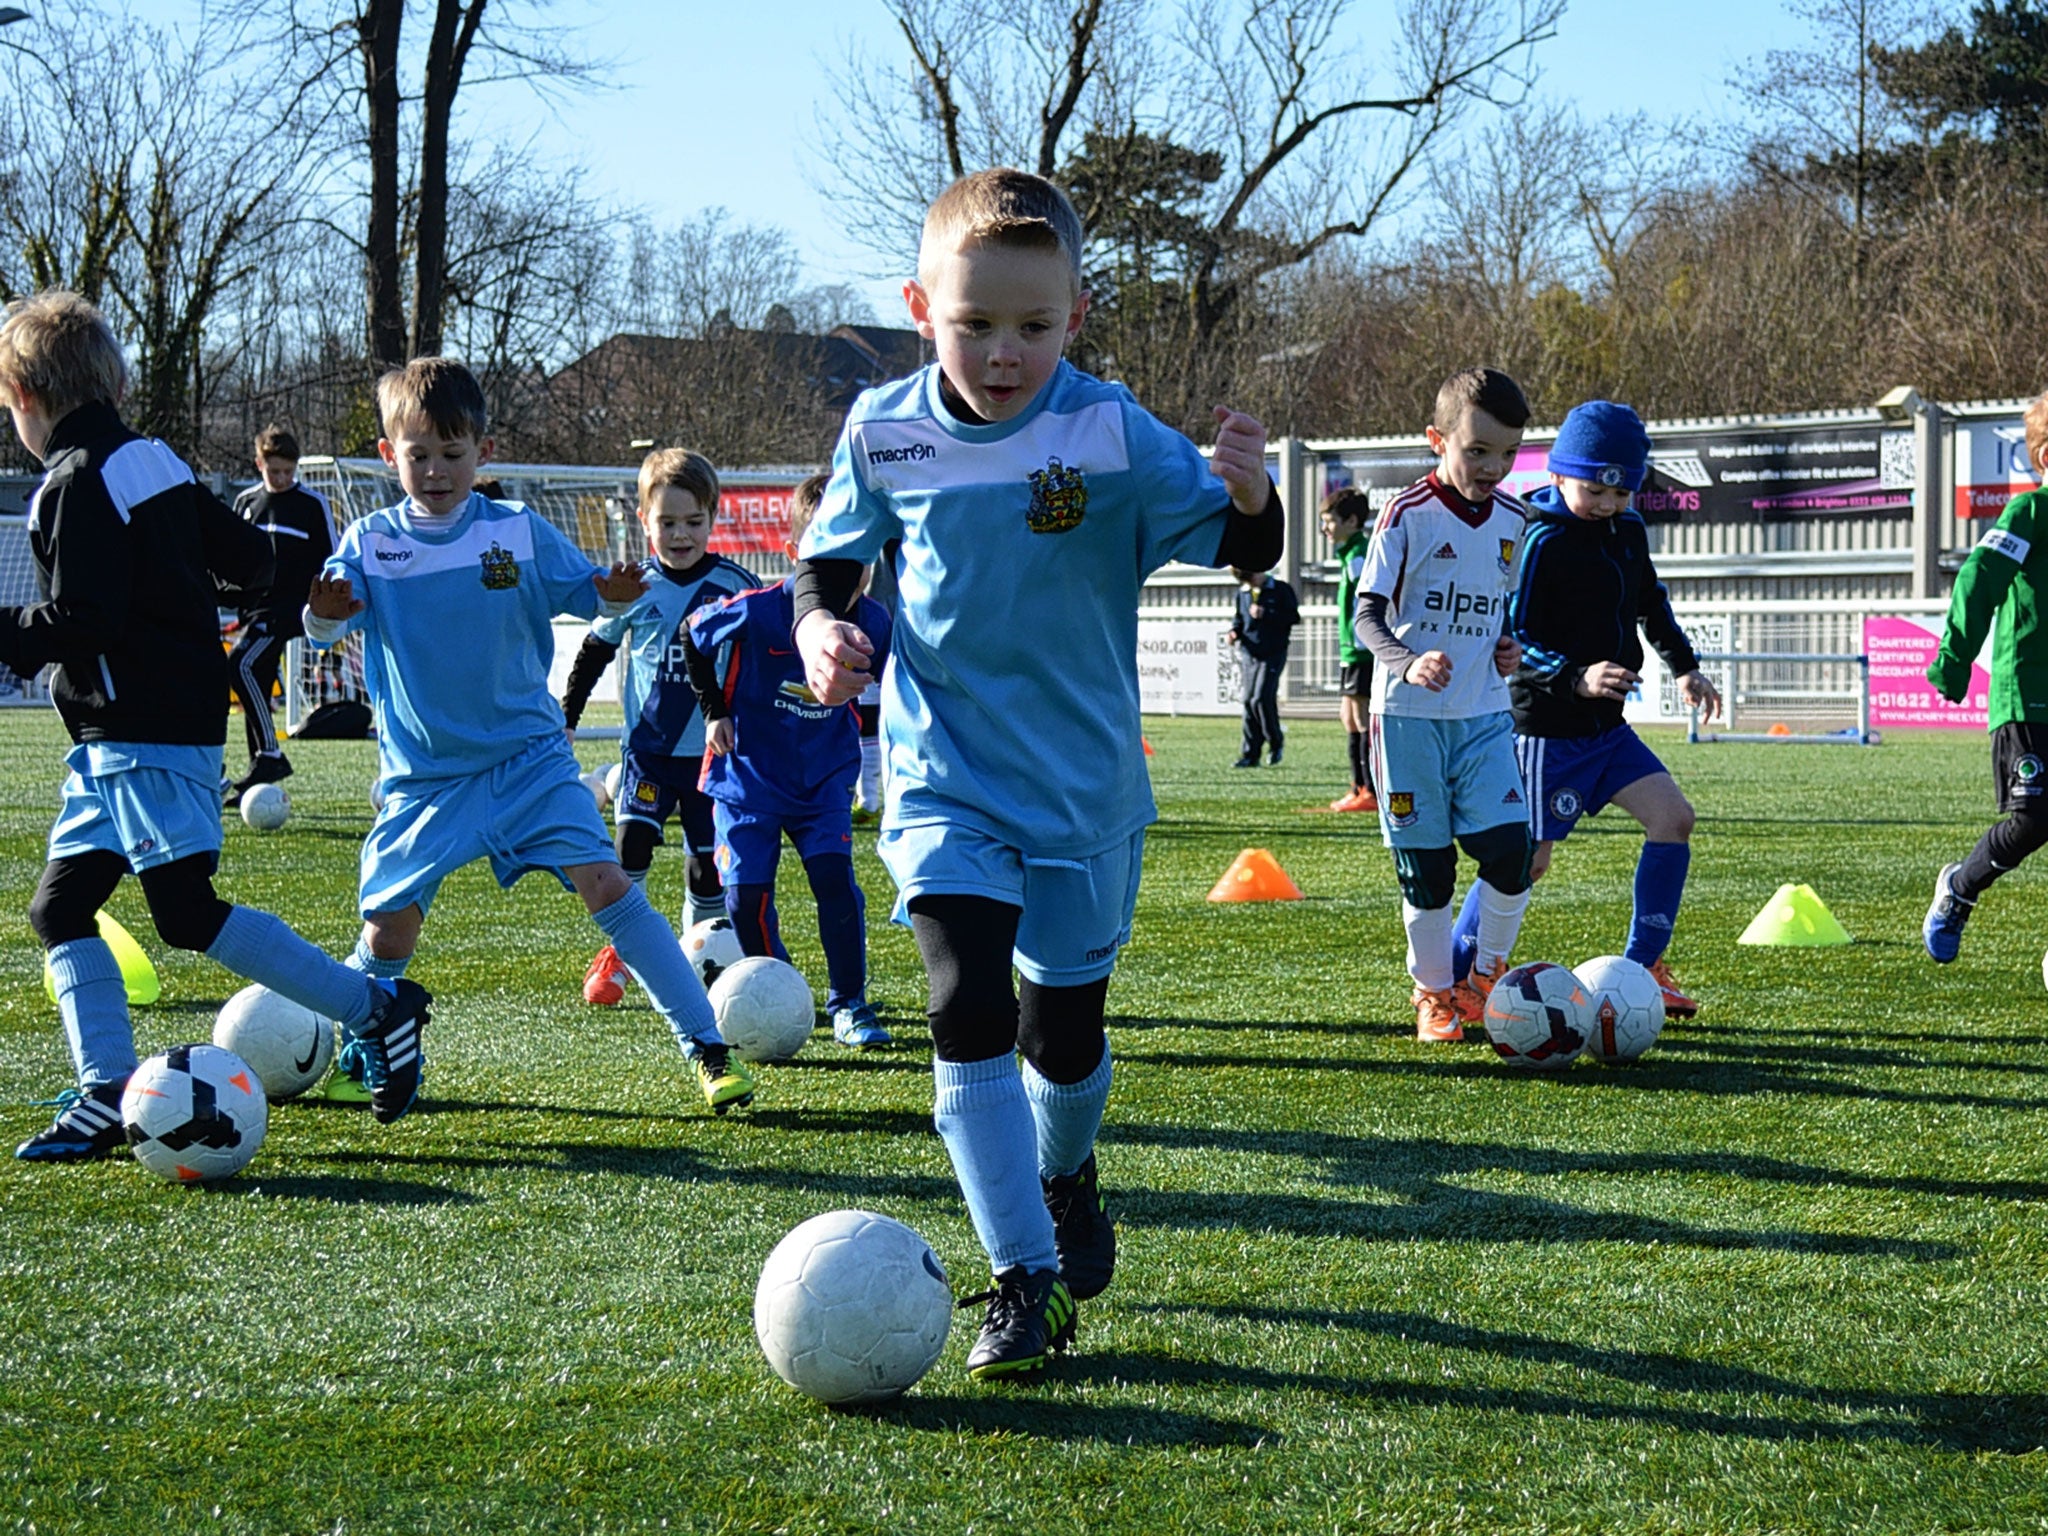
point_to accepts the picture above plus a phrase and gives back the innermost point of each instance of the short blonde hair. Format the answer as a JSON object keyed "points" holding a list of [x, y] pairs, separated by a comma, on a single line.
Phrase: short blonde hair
{"points": [[437, 392], [58, 348], [686, 471], [804, 502], [2037, 430], [1001, 207]]}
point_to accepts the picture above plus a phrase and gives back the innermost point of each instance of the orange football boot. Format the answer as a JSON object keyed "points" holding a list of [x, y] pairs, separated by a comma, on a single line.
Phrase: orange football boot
{"points": [[1436, 1016], [1470, 994], [604, 984], [1357, 800], [1676, 1004]]}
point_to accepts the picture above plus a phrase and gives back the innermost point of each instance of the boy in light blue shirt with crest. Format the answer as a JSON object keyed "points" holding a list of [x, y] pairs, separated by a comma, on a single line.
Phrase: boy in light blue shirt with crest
{"points": [[1031, 502], [455, 595]]}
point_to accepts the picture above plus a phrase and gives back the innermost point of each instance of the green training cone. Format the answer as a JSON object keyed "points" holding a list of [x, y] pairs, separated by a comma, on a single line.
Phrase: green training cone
{"points": [[137, 974], [1794, 916]]}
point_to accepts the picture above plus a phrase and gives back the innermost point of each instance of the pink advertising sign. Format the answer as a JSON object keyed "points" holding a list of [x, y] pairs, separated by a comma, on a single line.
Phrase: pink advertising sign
{"points": [[1900, 695]]}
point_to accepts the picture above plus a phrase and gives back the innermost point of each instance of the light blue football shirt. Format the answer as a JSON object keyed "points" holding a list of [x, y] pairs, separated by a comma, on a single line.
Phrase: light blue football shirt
{"points": [[647, 633], [1011, 702], [457, 631]]}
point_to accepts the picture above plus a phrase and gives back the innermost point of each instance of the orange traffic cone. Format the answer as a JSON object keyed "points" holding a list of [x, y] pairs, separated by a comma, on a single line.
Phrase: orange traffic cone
{"points": [[1255, 875]]}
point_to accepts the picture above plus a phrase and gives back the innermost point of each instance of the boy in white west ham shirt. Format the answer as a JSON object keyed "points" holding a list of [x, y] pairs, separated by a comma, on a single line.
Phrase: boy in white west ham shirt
{"points": [[1432, 608]]}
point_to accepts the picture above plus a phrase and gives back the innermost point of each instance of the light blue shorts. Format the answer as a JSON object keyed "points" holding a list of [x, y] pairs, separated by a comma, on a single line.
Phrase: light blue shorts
{"points": [[1442, 778], [529, 812], [1077, 912], [150, 804]]}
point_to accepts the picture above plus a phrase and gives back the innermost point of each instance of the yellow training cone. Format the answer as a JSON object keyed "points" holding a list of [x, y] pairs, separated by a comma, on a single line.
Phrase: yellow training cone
{"points": [[1795, 915], [137, 974]]}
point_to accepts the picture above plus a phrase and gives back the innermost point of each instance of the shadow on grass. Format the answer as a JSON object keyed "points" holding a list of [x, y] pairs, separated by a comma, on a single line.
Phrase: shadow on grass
{"points": [[1035, 1416], [354, 1189], [2005, 1424]]}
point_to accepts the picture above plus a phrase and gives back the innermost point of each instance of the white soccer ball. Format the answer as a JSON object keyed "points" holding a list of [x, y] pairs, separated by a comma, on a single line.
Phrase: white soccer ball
{"points": [[594, 782], [764, 1007], [1538, 1017], [1627, 1004], [288, 1045], [611, 783], [266, 807], [712, 947], [852, 1307], [195, 1113]]}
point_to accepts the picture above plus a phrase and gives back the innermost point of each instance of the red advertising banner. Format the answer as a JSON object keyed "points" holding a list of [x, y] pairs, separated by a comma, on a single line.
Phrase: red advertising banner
{"points": [[752, 519], [1992, 467], [1900, 695]]}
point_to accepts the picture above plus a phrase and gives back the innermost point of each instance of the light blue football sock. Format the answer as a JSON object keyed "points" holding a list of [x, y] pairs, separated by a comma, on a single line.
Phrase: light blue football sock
{"points": [[370, 965], [986, 1123], [648, 945], [264, 949], [1068, 1116], [93, 1001], [1465, 934], [1660, 883]]}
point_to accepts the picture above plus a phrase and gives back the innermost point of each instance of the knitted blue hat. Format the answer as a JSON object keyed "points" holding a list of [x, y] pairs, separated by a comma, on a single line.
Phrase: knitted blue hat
{"points": [[1602, 442]]}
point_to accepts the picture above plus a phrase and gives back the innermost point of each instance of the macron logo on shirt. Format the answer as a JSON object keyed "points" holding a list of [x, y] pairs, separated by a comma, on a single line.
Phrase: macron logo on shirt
{"points": [[909, 453], [392, 554]]}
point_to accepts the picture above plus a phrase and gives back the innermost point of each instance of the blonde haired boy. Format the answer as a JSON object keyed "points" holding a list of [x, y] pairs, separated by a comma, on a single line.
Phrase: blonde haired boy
{"points": [[678, 511], [131, 553], [1031, 502]]}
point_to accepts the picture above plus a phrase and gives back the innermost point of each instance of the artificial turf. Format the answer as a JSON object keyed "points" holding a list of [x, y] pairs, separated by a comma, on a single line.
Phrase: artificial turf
{"points": [[1786, 1274]]}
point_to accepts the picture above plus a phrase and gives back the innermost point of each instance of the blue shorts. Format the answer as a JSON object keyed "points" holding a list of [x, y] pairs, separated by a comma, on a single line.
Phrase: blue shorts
{"points": [[149, 803], [529, 812], [1439, 779], [1076, 912], [652, 789], [750, 843], [1573, 776]]}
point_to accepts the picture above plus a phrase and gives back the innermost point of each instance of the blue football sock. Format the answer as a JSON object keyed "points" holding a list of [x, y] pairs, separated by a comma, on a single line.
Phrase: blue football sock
{"points": [[264, 949], [1660, 882], [648, 945], [842, 927], [382, 970], [986, 1122], [1068, 1116], [93, 1001], [1465, 935]]}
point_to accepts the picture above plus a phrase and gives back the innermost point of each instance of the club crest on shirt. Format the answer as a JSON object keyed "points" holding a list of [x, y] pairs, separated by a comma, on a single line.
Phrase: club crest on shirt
{"points": [[1507, 554], [501, 569], [1059, 499]]}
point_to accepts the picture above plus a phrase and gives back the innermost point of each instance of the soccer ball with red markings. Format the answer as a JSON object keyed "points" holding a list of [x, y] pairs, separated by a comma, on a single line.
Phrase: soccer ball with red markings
{"points": [[1628, 1008], [195, 1114], [852, 1307], [1538, 1017], [712, 947]]}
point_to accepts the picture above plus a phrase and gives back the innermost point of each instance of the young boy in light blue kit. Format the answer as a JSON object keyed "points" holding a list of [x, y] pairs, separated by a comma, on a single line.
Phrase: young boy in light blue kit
{"points": [[781, 762], [455, 594], [1031, 501], [658, 777], [132, 554]]}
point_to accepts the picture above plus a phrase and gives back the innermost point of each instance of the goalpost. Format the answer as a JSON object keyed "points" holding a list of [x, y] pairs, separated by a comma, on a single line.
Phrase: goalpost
{"points": [[1797, 692]]}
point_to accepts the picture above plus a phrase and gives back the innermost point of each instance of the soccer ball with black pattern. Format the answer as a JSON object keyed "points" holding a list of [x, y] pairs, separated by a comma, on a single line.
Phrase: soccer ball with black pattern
{"points": [[852, 1307], [1628, 1008], [289, 1045], [712, 947], [1538, 1016], [194, 1114]]}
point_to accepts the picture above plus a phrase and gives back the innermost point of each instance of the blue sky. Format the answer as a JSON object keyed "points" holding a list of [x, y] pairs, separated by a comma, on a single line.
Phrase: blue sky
{"points": [[711, 104]]}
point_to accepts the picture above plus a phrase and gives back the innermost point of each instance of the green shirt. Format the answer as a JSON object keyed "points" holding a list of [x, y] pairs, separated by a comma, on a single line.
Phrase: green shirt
{"points": [[2004, 580], [1351, 563]]}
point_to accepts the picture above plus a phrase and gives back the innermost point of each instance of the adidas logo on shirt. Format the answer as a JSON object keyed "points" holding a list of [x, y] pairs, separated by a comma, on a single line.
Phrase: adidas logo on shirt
{"points": [[1446, 553]]}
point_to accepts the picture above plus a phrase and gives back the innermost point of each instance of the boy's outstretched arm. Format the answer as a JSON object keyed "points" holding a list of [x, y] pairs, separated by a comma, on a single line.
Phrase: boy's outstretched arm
{"points": [[838, 657], [1979, 593], [1239, 461]]}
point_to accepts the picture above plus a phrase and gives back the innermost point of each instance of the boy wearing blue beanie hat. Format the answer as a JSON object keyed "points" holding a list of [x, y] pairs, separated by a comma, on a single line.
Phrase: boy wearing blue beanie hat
{"points": [[1587, 585]]}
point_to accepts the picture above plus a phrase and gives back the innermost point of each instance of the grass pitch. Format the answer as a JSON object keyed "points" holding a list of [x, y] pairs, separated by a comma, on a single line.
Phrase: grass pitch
{"points": [[1786, 1274]]}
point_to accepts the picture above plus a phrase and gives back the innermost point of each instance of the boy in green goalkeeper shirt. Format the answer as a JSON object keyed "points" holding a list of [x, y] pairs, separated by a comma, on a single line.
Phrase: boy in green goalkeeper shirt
{"points": [[2005, 581], [1346, 515]]}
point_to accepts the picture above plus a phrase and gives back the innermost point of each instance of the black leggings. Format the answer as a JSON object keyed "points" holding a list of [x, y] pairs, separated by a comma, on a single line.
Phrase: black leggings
{"points": [[2001, 850], [966, 942], [182, 902]]}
